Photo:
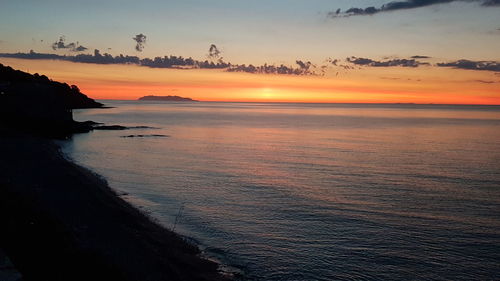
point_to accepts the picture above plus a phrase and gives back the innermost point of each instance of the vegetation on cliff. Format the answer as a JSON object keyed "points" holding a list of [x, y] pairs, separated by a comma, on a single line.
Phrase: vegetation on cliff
{"points": [[21, 85], [34, 103]]}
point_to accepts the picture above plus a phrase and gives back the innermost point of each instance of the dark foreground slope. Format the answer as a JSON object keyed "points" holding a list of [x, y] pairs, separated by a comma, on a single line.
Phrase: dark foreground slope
{"points": [[62, 222], [59, 221], [16, 82], [34, 103]]}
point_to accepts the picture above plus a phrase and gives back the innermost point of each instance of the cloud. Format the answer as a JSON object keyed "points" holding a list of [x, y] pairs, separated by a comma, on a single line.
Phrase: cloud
{"points": [[140, 40], [420, 57], [304, 65], [177, 62], [491, 3], [270, 69], [32, 55], [332, 61], [213, 52], [401, 5], [60, 44], [335, 63], [386, 63], [74, 47], [80, 49], [459, 64], [305, 68], [472, 65]]}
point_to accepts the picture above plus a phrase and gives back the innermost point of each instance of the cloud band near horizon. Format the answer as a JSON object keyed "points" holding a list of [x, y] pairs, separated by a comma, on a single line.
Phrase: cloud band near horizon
{"points": [[174, 62], [303, 67]]}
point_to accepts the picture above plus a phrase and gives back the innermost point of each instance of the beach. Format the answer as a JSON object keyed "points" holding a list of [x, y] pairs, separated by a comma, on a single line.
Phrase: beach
{"points": [[61, 221]]}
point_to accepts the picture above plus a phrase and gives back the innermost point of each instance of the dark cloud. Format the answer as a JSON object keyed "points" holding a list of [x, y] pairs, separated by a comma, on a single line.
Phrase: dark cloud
{"points": [[305, 68], [472, 65], [80, 49], [491, 3], [332, 61], [304, 65], [420, 57], [401, 5], [271, 69], [61, 44], [140, 40], [32, 55], [213, 52], [386, 63], [177, 62], [336, 63]]}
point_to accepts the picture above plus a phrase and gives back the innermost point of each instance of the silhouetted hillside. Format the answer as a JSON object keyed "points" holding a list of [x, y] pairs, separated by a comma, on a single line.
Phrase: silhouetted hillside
{"points": [[34, 103], [17, 82]]}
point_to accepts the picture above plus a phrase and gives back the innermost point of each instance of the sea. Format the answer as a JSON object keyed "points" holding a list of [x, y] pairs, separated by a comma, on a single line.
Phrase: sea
{"points": [[282, 191]]}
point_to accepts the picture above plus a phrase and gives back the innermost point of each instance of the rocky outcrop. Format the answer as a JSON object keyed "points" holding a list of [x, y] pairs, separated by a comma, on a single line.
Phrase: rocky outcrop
{"points": [[34, 103]]}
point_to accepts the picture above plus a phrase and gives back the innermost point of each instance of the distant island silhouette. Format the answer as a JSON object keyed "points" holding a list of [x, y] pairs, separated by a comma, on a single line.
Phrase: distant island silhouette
{"points": [[164, 98]]}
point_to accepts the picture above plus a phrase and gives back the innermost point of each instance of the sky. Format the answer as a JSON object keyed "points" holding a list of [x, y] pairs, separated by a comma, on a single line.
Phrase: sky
{"points": [[421, 51]]}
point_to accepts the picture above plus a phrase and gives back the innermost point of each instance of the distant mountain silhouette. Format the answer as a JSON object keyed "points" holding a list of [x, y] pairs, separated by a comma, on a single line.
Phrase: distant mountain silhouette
{"points": [[33, 102], [165, 98]]}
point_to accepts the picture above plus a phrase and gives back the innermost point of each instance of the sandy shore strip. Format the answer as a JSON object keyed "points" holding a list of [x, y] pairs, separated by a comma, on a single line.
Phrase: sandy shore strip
{"points": [[61, 221]]}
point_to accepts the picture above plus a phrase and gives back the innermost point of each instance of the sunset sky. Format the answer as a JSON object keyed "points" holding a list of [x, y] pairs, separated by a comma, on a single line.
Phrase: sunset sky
{"points": [[425, 51]]}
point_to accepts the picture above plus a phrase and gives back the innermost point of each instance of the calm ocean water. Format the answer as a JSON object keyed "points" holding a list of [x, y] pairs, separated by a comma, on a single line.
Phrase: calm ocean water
{"points": [[310, 191]]}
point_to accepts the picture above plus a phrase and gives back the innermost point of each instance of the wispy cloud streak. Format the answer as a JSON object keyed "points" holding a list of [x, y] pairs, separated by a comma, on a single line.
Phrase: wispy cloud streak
{"points": [[386, 63], [472, 65], [401, 5]]}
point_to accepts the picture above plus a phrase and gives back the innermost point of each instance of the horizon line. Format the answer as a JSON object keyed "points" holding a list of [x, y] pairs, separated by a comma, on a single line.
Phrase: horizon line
{"points": [[305, 102]]}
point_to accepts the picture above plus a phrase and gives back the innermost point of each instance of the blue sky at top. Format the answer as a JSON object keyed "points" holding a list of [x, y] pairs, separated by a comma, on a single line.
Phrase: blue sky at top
{"points": [[258, 31]]}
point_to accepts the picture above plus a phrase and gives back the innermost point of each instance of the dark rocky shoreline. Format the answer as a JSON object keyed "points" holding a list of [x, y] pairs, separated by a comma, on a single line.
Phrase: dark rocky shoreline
{"points": [[61, 221]]}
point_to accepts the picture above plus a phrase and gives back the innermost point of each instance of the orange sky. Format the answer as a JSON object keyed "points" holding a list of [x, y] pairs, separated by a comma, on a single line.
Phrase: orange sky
{"points": [[367, 85]]}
